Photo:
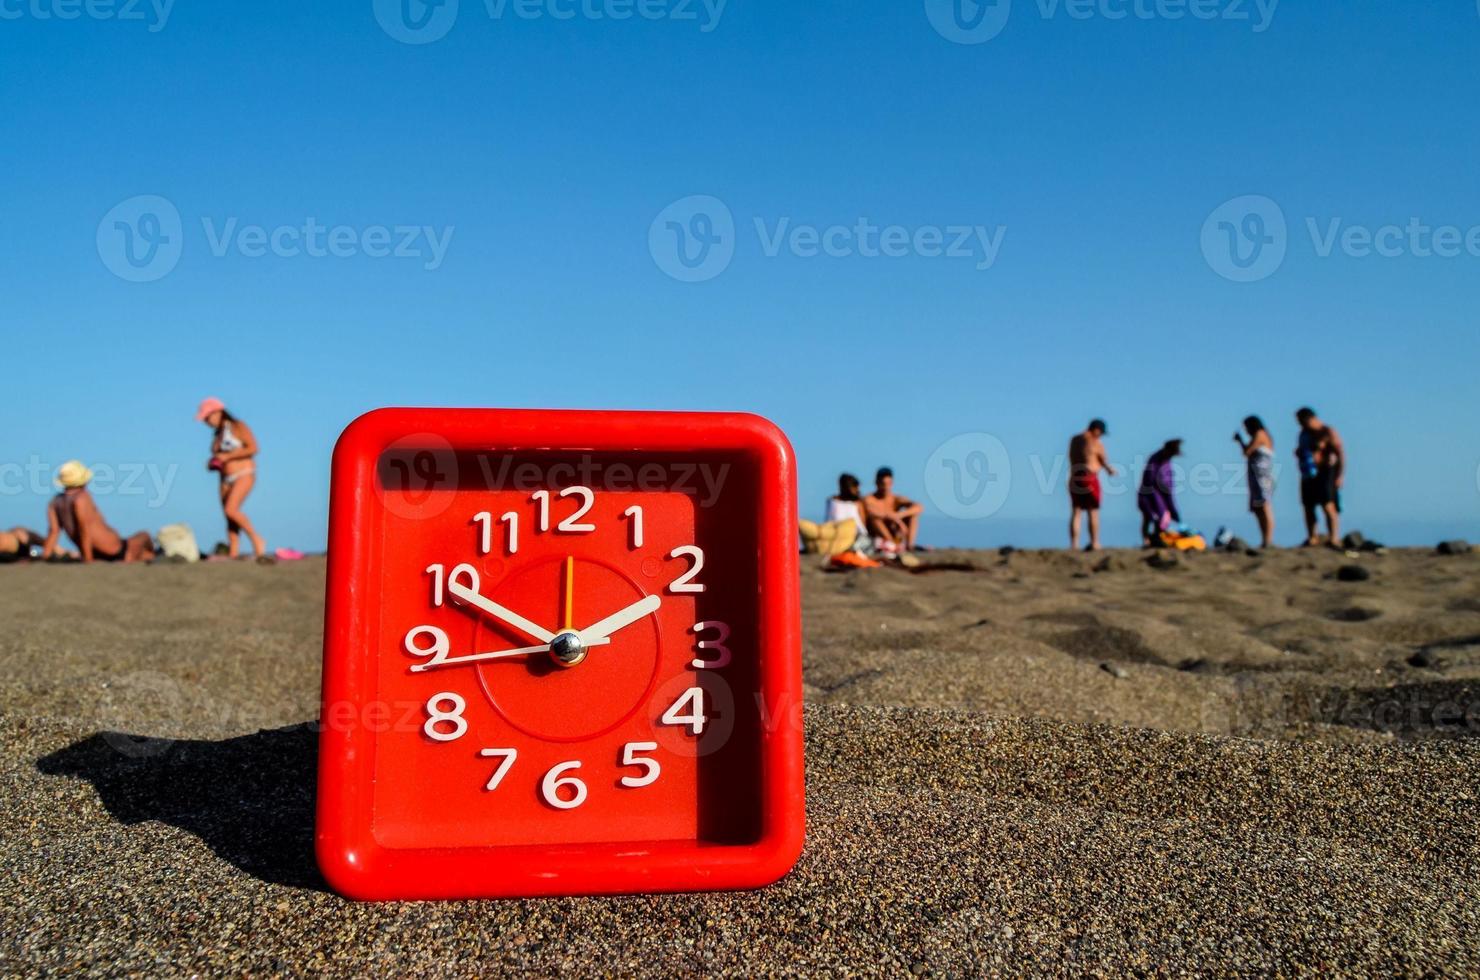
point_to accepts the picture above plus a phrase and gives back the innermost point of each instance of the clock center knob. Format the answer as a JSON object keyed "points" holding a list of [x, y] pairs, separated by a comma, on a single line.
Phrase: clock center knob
{"points": [[567, 650]]}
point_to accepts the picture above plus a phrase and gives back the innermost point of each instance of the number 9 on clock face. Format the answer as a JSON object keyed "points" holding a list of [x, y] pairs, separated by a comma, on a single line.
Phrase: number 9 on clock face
{"points": [[561, 655]]}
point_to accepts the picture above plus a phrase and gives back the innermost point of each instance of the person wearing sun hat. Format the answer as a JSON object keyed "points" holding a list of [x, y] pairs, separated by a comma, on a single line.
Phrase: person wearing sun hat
{"points": [[74, 511], [233, 456]]}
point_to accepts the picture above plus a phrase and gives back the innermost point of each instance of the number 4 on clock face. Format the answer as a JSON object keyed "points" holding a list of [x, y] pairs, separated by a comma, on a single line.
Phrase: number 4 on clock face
{"points": [[603, 672]]}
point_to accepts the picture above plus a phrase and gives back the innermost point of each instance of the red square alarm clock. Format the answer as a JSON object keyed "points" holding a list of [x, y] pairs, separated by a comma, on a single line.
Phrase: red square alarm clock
{"points": [[562, 655]]}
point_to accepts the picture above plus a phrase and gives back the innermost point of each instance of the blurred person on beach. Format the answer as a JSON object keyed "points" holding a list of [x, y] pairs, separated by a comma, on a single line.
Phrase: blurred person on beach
{"points": [[20, 544], [76, 512], [1086, 459], [1259, 457], [892, 521], [1322, 460], [844, 527], [233, 452], [1155, 497]]}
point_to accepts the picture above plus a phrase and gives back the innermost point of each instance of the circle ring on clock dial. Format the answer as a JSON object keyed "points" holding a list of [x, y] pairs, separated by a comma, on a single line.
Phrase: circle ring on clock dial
{"points": [[555, 703]]}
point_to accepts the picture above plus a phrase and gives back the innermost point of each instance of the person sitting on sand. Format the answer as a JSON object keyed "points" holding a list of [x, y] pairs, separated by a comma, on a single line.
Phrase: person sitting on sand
{"points": [[1322, 459], [1259, 455], [74, 511], [844, 526], [892, 521], [1086, 459], [232, 450], [1155, 498], [16, 544]]}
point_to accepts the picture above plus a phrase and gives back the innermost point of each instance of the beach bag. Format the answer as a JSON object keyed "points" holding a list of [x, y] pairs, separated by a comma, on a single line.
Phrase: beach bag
{"points": [[178, 541]]}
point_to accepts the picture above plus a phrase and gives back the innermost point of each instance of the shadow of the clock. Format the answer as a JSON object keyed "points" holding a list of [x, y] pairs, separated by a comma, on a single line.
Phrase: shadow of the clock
{"points": [[250, 799]]}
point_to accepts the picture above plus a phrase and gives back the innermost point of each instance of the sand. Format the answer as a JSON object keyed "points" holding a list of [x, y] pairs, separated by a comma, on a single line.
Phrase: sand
{"points": [[1046, 763]]}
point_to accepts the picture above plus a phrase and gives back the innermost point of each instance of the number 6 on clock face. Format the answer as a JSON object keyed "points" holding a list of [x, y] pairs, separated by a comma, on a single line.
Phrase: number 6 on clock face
{"points": [[569, 664]]}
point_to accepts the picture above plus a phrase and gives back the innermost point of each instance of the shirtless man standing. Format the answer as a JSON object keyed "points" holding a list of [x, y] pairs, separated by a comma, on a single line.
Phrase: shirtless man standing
{"points": [[1086, 459], [1322, 459], [892, 519], [74, 511]]}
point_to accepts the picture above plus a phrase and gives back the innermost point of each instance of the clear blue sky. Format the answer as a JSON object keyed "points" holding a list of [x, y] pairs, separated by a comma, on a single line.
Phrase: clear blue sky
{"points": [[548, 147]]}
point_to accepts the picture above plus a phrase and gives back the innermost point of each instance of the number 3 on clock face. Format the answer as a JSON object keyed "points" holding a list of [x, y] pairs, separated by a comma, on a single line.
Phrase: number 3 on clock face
{"points": [[568, 669]]}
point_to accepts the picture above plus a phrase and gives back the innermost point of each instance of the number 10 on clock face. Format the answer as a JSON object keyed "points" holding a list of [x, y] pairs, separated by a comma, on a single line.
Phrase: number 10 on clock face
{"points": [[560, 670]]}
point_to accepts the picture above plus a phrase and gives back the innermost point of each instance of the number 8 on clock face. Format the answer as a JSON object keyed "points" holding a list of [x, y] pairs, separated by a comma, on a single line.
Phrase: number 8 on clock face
{"points": [[561, 655]]}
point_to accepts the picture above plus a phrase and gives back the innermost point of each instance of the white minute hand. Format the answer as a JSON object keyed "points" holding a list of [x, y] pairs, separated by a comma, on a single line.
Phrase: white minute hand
{"points": [[499, 612], [605, 628]]}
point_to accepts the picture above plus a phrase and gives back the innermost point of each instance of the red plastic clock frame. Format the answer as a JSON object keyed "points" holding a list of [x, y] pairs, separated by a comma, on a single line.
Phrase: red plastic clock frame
{"points": [[356, 866]]}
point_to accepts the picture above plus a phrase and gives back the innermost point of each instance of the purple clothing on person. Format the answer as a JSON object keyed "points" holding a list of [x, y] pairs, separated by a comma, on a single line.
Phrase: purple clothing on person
{"points": [[1155, 496]]}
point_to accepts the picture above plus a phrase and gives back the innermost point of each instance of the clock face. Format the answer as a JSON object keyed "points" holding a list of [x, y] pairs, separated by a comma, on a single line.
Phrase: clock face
{"points": [[573, 652], [563, 649]]}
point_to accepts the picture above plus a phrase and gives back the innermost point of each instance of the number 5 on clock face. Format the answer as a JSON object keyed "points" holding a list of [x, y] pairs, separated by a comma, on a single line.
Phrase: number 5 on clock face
{"points": [[582, 663]]}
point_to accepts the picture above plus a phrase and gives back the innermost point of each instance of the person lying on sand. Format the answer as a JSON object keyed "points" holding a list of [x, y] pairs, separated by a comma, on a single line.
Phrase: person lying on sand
{"points": [[893, 521], [74, 511], [1086, 459], [15, 544], [1322, 459]]}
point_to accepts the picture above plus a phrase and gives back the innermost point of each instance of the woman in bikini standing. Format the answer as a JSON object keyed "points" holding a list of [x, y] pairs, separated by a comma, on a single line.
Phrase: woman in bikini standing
{"points": [[1259, 456], [232, 455]]}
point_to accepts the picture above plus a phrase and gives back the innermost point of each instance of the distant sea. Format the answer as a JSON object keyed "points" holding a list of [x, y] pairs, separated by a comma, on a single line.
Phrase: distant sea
{"points": [[1123, 532]]}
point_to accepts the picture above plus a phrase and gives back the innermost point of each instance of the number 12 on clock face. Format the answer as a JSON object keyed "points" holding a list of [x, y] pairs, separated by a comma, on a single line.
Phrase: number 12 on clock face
{"points": [[589, 655]]}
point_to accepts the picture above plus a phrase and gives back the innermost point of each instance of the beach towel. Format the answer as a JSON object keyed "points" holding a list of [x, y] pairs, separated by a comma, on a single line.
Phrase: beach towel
{"points": [[178, 541], [1184, 542]]}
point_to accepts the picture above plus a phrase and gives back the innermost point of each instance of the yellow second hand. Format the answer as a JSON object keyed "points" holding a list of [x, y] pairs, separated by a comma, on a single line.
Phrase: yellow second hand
{"points": [[570, 592]]}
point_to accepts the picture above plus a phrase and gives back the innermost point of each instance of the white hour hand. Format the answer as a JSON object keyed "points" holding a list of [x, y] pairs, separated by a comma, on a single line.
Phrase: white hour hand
{"points": [[507, 616], [597, 632]]}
